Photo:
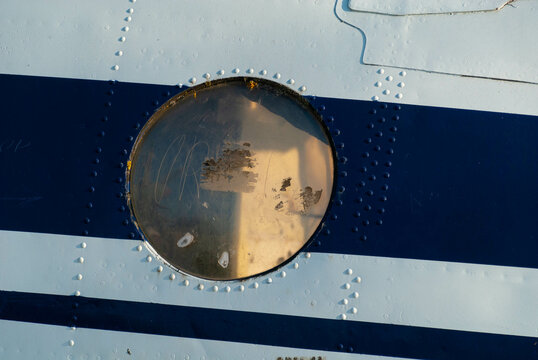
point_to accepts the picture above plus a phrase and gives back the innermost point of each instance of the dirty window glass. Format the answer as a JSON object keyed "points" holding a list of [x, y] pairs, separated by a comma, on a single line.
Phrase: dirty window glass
{"points": [[231, 179]]}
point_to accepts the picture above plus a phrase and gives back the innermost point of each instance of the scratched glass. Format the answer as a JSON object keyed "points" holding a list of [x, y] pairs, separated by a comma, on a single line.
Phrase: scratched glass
{"points": [[231, 179]]}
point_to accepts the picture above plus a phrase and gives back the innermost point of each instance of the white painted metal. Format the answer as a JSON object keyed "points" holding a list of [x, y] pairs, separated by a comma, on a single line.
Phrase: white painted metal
{"points": [[25, 341], [415, 7], [485, 44], [172, 41], [471, 297]]}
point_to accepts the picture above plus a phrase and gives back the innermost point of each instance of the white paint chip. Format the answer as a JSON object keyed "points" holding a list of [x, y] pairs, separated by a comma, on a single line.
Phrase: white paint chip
{"points": [[185, 240], [224, 259]]}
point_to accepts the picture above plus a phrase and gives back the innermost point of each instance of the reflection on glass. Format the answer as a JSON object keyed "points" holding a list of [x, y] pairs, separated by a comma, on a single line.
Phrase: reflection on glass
{"points": [[231, 180]]}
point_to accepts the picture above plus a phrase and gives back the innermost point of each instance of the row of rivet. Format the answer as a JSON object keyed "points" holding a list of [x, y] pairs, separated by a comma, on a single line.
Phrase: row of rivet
{"points": [[277, 76], [215, 288], [354, 295], [124, 29]]}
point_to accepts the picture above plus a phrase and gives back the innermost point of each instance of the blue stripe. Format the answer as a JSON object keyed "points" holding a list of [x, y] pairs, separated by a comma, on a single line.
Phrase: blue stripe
{"points": [[415, 182], [265, 329]]}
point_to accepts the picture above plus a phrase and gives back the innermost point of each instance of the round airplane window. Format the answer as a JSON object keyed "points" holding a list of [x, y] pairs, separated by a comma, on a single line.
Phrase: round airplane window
{"points": [[231, 178]]}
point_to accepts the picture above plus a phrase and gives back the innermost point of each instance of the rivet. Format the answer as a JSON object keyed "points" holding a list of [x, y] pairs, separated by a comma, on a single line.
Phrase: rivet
{"points": [[130, 10], [343, 316], [227, 289], [296, 265], [390, 151], [241, 288], [122, 39], [81, 259], [401, 84], [250, 71], [91, 189], [79, 277], [302, 88], [399, 96], [128, 18], [283, 274], [277, 76], [384, 106], [149, 258], [102, 133], [83, 245], [207, 76], [381, 71], [355, 295], [116, 67], [192, 80], [307, 255], [381, 211], [96, 161], [367, 208], [378, 84], [186, 282], [355, 229], [215, 288], [133, 1], [255, 285], [139, 248], [354, 310], [364, 237], [403, 73], [375, 98], [386, 175], [347, 286], [366, 222], [77, 293], [125, 28], [200, 286], [291, 81], [160, 269], [358, 279], [220, 72], [71, 343], [386, 92], [85, 233], [389, 78], [345, 301], [235, 71], [374, 163], [349, 271], [172, 276], [269, 280]]}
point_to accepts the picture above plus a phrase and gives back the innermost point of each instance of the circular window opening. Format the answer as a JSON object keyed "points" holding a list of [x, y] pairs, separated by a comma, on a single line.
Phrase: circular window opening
{"points": [[231, 178]]}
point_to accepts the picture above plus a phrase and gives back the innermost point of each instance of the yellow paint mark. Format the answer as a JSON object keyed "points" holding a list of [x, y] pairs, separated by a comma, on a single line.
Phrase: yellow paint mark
{"points": [[252, 84], [194, 94], [128, 165]]}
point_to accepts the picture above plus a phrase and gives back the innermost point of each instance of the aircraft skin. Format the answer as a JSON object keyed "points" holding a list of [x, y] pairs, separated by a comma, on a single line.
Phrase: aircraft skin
{"points": [[428, 250]]}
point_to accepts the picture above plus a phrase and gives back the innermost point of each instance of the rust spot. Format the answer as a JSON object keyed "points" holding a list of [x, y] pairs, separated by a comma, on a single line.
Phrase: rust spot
{"points": [[252, 84], [230, 171], [279, 206], [285, 184], [309, 198], [246, 144]]}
